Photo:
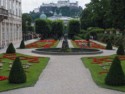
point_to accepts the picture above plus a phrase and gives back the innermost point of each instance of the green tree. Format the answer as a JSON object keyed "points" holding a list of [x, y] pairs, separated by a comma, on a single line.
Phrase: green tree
{"points": [[22, 45], [73, 28], [120, 50], [115, 76], [42, 27], [26, 22], [96, 14], [109, 45], [10, 49], [118, 13], [57, 28], [17, 74]]}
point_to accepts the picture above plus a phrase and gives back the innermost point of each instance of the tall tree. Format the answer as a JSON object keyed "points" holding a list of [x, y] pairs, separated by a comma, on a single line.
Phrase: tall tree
{"points": [[26, 22], [73, 28], [96, 14], [118, 13], [42, 27]]}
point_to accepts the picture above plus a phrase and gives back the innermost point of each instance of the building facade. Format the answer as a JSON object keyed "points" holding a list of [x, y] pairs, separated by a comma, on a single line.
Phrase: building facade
{"points": [[62, 3], [10, 22]]}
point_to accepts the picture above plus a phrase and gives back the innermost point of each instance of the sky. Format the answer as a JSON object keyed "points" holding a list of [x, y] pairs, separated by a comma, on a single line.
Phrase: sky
{"points": [[29, 5]]}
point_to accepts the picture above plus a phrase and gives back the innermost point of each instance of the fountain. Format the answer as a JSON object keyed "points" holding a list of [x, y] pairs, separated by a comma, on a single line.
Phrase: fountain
{"points": [[65, 50]]}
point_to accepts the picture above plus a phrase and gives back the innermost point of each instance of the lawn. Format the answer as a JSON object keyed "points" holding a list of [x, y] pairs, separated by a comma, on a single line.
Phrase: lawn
{"points": [[43, 44], [83, 44], [35, 66], [99, 67]]}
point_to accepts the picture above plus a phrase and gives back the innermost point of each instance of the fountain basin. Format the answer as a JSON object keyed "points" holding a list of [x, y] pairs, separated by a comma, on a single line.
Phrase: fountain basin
{"points": [[69, 51]]}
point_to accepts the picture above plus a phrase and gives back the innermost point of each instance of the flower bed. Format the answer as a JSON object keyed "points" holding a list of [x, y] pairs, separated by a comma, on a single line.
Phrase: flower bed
{"points": [[13, 57], [83, 44], [42, 44], [33, 66], [3, 78], [99, 67]]}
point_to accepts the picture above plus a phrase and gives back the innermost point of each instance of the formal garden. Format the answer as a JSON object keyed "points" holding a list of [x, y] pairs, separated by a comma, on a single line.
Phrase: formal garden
{"points": [[19, 70], [43, 44], [99, 31]]}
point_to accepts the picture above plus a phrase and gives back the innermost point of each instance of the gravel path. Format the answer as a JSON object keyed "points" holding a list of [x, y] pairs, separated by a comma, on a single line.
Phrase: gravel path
{"points": [[64, 75]]}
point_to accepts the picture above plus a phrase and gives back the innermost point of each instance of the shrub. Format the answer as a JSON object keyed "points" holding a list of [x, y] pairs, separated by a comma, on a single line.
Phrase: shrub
{"points": [[120, 50], [73, 28], [115, 76], [109, 45], [88, 37], [22, 44], [77, 38], [10, 49], [17, 74]]}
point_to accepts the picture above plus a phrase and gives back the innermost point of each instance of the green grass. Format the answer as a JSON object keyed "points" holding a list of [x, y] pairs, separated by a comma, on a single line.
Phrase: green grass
{"points": [[99, 78], [32, 73], [55, 45], [74, 44]]}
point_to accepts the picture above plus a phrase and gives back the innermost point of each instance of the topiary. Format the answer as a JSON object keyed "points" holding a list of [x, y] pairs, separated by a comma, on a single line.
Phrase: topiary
{"points": [[120, 50], [22, 45], [109, 45], [10, 49], [17, 74], [115, 76]]}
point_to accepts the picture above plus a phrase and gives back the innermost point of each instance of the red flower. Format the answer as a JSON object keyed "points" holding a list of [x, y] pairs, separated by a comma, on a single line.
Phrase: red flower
{"points": [[3, 78]]}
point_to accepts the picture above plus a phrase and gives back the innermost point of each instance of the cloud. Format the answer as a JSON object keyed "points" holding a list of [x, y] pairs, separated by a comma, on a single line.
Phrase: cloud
{"points": [[29, 5]]}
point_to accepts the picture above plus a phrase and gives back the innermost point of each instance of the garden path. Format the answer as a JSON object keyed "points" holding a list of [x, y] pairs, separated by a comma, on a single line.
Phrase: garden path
{"points": [[64, 75]]}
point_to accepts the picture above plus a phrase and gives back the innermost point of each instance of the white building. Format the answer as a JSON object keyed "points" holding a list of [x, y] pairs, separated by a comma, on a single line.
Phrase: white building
{"points": [[10, 22], [59, 16], [62, 3]]}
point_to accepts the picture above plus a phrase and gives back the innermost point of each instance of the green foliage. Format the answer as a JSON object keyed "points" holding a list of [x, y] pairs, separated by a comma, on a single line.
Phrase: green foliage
{"points": [[117, 10], [73, 28], [42, 27], [110, 29], [87, 36], [22, 45], [17, 74], [120, 50], [26, 22], [109, 45], [96, 14], [95, 30], [115, 76], [77, 38], [10, 49], [57, 28]]}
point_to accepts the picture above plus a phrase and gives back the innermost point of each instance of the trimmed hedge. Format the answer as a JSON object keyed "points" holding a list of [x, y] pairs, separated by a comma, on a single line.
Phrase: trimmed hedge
{"points": [[10, 49], [109, 45], [22, 45], [17, 74], [120, 50], [115, 76]]}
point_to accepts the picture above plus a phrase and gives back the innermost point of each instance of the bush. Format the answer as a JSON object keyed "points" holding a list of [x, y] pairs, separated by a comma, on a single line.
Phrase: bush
{"points": [[88, 37], [57, 29], [95, 29], [77, 38], [73, 28], [115, 76], [10, 49], [17, 74], [109, 45], [22, 44], [120, 50]]}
